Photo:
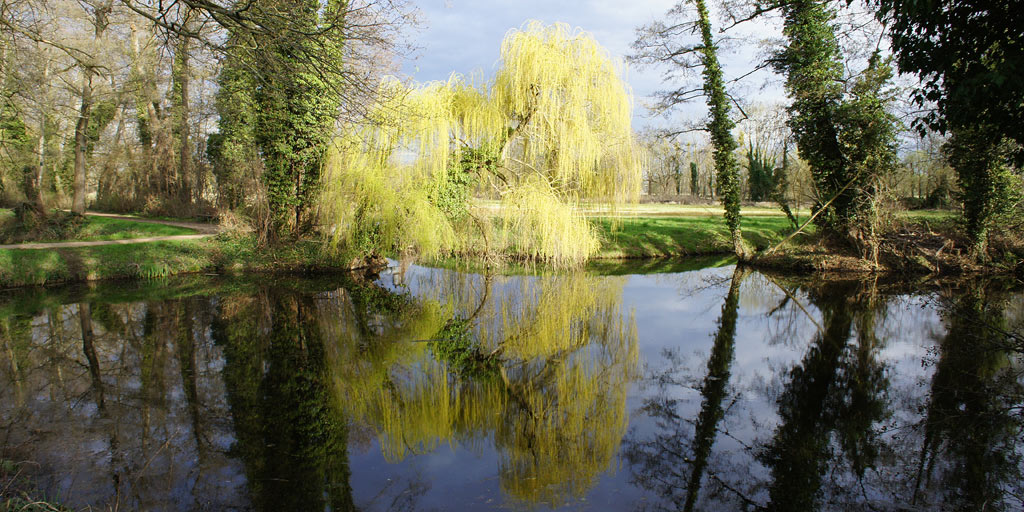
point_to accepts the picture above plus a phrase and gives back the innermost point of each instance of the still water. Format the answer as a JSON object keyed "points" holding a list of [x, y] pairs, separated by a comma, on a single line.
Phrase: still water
{"points": [[430, 389]]}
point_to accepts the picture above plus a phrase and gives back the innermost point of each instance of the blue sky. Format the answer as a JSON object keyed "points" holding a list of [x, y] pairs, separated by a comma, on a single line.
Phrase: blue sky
{"points": [[465, 36]]}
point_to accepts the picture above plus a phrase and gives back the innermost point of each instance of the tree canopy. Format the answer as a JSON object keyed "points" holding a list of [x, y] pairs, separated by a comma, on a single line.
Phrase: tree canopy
{"points": [[552, 128]]}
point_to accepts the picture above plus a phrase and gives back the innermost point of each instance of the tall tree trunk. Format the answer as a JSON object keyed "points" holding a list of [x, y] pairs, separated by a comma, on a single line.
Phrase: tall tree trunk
{"points": [[41, 147], [107, 177], [721, 126], [185, 155], [82, 142]]}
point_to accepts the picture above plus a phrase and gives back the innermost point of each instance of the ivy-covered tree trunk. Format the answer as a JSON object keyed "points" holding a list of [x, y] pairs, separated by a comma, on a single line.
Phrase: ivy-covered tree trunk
{"points": [[984, 170], [233, 150], [181, 85], [781, 186], [296, 110], [41, 153], [721, 126], [849, 143], [81, 142], [694, 180], [814, 75], [101, 12]]}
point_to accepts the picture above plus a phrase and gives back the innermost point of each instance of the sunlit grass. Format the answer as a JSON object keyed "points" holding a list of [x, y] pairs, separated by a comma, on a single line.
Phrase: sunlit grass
{"points": [[658, 237], [20, 267], [103, 228], [72, 229]]}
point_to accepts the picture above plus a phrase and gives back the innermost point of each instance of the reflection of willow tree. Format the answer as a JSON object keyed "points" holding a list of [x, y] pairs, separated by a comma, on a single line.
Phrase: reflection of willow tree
{"points": [[543, 367], [835, 395], [290, 437], [970, 420], [661, 464]]}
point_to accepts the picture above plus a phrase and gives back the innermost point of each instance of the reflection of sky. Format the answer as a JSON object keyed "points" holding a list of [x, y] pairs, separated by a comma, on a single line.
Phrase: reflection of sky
{"points": [[681, 312], [672, 311]]}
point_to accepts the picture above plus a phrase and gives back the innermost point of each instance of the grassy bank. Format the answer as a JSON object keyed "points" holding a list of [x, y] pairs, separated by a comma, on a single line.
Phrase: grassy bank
{"points": [[649, 241], [221, 254], [633, 238]]}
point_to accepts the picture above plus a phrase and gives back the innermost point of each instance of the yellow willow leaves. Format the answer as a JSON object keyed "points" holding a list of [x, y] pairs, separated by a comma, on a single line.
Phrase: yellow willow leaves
{"points": [[557, 119], [538, 224], [556, 408], [576, 109]]}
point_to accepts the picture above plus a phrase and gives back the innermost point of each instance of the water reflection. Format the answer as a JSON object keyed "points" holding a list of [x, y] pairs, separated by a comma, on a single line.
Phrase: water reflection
{"points": [[537, 367], [453, 390], [289, 433], [828, 432], [970, 457]]}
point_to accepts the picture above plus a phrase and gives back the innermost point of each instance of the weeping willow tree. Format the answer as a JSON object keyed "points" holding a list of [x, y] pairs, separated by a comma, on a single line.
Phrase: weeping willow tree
{"points": [[550, 130]]}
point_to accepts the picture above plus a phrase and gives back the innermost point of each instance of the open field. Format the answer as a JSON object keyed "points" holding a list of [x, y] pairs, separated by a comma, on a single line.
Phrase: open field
{"points": [[664, 236]]}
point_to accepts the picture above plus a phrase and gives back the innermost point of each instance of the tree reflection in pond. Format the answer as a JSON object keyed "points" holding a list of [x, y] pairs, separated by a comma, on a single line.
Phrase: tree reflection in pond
{"points": [[668, 464], [289, 433], [970, 456], [541, 368], [833, 399], [339, 394], [837, 438]]}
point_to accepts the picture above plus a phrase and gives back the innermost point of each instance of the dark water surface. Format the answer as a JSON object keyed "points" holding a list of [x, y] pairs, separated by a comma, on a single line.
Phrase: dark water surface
{"points": [[714, 389]]}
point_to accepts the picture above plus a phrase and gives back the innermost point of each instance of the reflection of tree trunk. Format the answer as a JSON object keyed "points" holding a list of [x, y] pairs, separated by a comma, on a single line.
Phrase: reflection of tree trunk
{"points": [[714, 388], [290, 435], [799, 450], [967, 421], [7, 338], [187, 365], [89, 348]]}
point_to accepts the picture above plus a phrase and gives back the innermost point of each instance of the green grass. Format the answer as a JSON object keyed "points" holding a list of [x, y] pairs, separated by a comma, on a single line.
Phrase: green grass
{"points": [[660, 237], [21, 267], [102, 228], [928, 215], [658, 209], [652, 237], [62, 227]]}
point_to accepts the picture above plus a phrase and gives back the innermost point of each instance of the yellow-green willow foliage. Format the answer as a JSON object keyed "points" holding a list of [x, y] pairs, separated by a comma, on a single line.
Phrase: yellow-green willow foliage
{"points": [[555, 405], [551, 129]]}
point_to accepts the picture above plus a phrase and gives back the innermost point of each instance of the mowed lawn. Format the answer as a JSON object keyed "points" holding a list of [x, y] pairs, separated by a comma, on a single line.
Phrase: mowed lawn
{"points": [[104, 228], [658, 230], [664, 236]]}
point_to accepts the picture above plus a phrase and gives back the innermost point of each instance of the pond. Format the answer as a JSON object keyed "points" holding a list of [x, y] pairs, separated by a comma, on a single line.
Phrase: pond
{"points": [[433, 389]]}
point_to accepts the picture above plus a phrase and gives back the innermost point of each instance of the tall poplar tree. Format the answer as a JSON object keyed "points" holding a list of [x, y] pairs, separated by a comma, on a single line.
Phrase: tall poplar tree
{"points": [[721, 126]]}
